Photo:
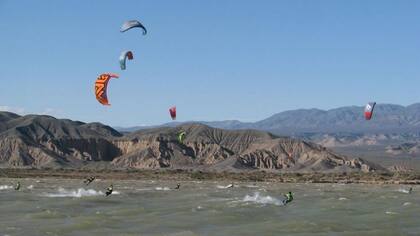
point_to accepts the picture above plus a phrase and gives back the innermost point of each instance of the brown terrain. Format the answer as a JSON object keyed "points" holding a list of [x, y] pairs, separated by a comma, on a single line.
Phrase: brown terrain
{"points": [[35, 141]]}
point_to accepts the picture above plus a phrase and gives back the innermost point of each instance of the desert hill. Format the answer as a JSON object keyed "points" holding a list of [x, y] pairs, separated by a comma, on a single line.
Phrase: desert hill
{"points": [[44, 141]]}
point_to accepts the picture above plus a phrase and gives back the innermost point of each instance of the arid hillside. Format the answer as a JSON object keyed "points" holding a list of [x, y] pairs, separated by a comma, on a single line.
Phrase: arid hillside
{"points": [[44, 141]]}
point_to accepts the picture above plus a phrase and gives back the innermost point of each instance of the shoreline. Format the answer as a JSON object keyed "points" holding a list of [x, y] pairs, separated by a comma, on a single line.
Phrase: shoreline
{"points": [[190, 175]]}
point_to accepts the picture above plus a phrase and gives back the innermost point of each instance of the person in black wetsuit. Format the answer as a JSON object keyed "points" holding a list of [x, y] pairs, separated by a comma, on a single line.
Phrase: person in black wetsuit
{"points": [[109, 190], [89, 180], [17, 187]]}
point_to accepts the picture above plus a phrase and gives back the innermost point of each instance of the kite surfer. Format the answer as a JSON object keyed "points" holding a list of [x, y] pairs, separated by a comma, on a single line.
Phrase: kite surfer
{"points": [[17, 187], [289, 198], [109, 190], [89, 180]]}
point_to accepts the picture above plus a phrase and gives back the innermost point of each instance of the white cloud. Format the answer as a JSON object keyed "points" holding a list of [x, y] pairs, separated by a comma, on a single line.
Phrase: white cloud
{"points": [[17, 110]]}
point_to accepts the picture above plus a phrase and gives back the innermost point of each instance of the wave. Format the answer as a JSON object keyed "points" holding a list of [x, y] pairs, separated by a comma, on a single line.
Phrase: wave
{"points": [[252, 186], [162, 188], [4, 187], [81, 192], [30, 187], [144, 189], [257, 198], [401, 190], [224, 187]]}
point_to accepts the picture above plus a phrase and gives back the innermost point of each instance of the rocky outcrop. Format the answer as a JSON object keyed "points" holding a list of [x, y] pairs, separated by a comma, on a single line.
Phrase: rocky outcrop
{"points": [[41, 141]]}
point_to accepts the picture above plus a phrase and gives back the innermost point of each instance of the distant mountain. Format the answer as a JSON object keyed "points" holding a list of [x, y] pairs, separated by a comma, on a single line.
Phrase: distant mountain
{"points": [[227, 124], [35, 140], [44, 141], [388, 118]]}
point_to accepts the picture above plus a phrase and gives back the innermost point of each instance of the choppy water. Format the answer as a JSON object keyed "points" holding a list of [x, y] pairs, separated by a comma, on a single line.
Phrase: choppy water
{"points": [[68, 207]]}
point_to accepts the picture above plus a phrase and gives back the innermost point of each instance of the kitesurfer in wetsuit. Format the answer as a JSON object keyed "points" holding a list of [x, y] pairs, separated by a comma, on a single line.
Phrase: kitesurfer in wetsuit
{"points": [[17, 187], [89, 180], [178, 186], [410, 190], [289, 198], [109, 190]]}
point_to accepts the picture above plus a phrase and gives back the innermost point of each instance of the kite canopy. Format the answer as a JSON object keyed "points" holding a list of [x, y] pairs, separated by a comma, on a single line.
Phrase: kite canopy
{"points": [[101, 85], [181, 136], [369, 110], [172, 112], [132, 24], [123, 57]]}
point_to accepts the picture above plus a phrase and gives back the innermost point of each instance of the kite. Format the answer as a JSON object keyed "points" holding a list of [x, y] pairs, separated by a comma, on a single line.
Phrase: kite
{"points": [[181, 136], [132, 24], [172, 112], [369, 110], [101, 85], [123, 57]]}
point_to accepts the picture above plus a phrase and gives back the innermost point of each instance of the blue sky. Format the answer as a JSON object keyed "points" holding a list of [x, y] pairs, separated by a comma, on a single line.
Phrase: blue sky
{"points": [[214, 60]]}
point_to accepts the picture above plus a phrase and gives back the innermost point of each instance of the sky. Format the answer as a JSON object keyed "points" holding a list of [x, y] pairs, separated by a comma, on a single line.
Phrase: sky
{"points": [[214, 60]]}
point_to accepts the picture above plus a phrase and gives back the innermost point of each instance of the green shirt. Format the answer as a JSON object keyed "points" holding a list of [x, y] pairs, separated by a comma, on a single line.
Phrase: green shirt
{"points": [[289, 197]]}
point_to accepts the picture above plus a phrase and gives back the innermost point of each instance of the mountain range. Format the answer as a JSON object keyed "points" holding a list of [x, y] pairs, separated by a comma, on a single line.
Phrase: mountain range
{"points": [[40, 141], [387, 118], [391, 137]]}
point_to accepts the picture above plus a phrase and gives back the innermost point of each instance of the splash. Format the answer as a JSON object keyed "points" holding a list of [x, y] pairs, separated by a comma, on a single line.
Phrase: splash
{"points": [[76, 193], [224, 187], [401, 190], [30, 187], [4, 187], [256, 198], [162, 188]]}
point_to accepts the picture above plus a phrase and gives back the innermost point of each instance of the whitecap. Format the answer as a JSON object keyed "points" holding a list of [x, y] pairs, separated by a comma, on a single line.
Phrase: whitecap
{"points": [[224, 187], [162, 188], [407, 203], [5, 187], [401, 190], [81, 192], [391, 213], [342, 199], [256, 198], [30, 187]]}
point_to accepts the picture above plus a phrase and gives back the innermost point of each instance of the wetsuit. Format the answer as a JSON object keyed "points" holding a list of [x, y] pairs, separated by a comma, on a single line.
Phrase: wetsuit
{"points": [[109, 190], [177, 186], [17, 187], [89, 180], [289, 198]]}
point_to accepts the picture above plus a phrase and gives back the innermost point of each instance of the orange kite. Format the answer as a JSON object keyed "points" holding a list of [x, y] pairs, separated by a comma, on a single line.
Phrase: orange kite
{"points": [[101, 85]]}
